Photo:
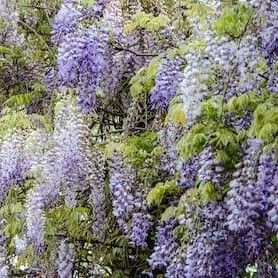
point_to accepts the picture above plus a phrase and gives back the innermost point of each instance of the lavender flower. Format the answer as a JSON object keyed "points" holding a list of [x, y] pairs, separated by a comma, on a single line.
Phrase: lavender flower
{"points": [[4, 269], [270, 32], [65, 259], [169, 159], [214, 254], [13, 162], [97, 198], [188, 172], [210, 170], [168, 79], [141, 225], [165, 245], [268, 185], [244, 201], [122, 183], [65, 22], [82, 63], [35, 219], [71, 139]]}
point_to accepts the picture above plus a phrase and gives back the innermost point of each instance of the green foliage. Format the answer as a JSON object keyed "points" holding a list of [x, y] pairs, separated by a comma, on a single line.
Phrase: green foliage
{"points": [[87, 3], [12, 120], [246, 101], [143, 152], [169, 213], [176, 115], [197, 45], [212, 131], [73, 221], [12, 211], [208, 192], [27, 257], [147, 21], [197, 10], [234, 20], [144, 80], [193, 142], [161, 191], [265, 124], [211, 110]]}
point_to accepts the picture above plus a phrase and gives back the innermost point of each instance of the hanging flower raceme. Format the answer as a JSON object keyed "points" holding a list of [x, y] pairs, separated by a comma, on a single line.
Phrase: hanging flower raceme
{"points": [[65, 22], [71, 149], [168, 79], [209, 169], [82, 64], [65, 261], [244, 201], [165, 245], [140, 228], [97, 197], [9, 28], [270, 32], [35, 219], [213, 252], [268, 185], [169, 159], [13, 162], [4, 268], [188, 172], [122, 184]]}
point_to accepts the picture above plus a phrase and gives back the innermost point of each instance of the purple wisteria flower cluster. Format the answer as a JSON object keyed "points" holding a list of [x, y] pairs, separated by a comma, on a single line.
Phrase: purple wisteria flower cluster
{"points": [[165, 245], [168, 79], [122, 184], [13, 162], [97, 196], [65, 259]]}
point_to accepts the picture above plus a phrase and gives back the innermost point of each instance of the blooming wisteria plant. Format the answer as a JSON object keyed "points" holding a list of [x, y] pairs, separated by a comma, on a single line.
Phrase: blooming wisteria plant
{"points": [[138, 138]]}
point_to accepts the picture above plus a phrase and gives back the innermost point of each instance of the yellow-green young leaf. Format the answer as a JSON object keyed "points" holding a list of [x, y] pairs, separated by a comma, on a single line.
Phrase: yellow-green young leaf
{"points": [[27, 257], [193, 142], [87, 3], [147, 21], [144, 80], [176, 115], [262, 66], [170, 212], [210, 109], [160, 191], [234, 20], [268, 132], [5, 49], [224, 137], [197, 10], [265, 123], [156, 195], [20, 99], [136, 89], [14, 120], [222, 156], [197, 45], [14, 226], [208, 192]]}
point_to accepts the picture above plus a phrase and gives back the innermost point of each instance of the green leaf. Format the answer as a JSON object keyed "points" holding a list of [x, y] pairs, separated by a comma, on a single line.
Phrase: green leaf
{"points": [[208, 192], [169, 213], [176, 115], [160, 191], [147, 21], [234, 20]]}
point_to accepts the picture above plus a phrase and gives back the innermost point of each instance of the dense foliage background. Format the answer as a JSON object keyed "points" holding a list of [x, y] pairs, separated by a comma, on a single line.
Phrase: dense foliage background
{"points": [[138, 138]]}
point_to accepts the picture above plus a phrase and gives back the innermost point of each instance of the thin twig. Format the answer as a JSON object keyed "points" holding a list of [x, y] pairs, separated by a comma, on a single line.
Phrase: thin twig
{"points": [[38, 7], [37, 34], [121, 48]]}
